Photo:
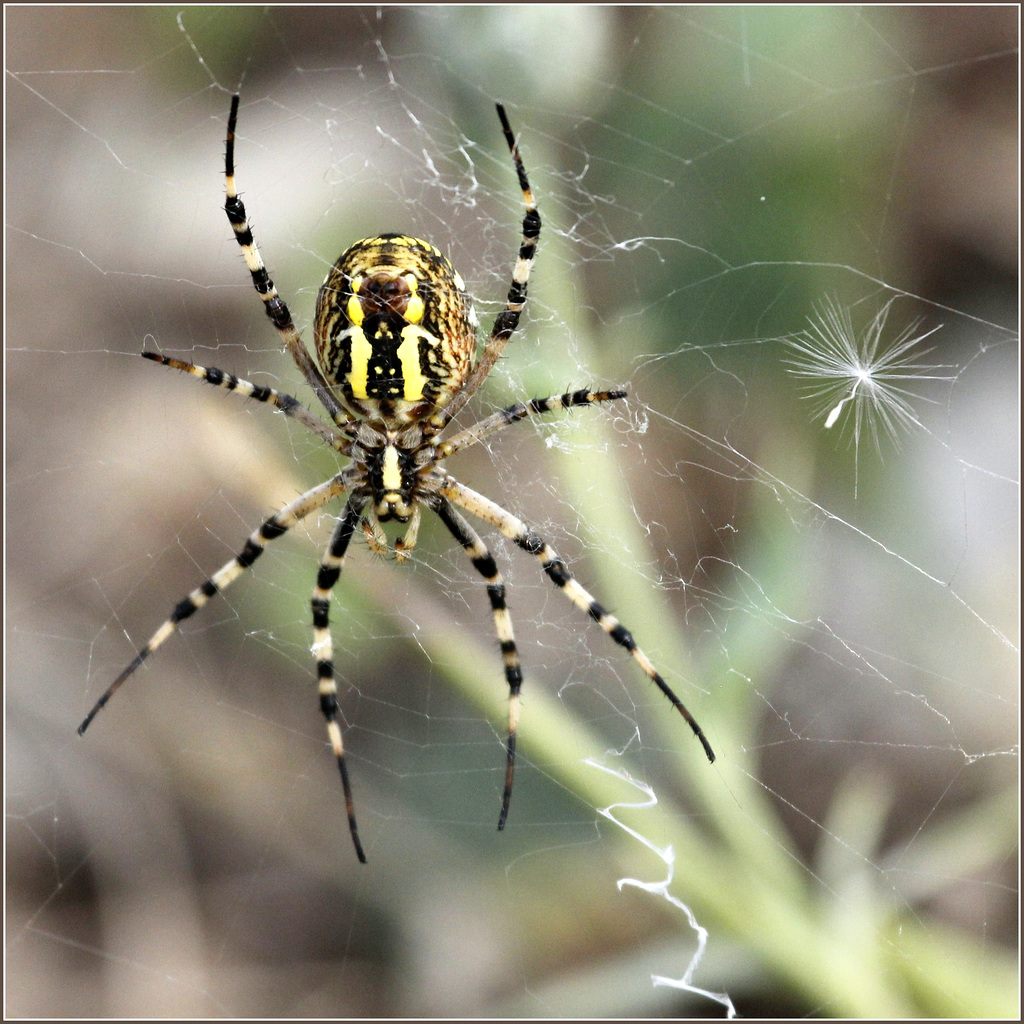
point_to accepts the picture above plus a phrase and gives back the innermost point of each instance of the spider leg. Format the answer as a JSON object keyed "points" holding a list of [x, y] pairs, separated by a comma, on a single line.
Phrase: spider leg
{"points": [[274, 305], [508, 319], [520, 411], [323, 648], [557, 571], [484, 564], [404, 545], [291, 407], [277, 525]]}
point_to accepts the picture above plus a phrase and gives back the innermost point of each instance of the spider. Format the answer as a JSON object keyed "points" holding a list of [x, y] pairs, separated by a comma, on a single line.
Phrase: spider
{"points": [[395, 335]]}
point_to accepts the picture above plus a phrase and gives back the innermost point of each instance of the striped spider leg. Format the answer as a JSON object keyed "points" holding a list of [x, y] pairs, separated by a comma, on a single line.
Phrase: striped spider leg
{"points": [[558, 572]]}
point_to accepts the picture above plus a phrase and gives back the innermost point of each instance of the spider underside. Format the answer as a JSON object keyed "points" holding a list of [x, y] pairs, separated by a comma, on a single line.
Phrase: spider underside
{"points": [[395, 336]]}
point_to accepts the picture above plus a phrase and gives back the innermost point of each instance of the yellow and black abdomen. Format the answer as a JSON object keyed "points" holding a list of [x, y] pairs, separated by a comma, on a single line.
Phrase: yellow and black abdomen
{"points": [[395, 330]]}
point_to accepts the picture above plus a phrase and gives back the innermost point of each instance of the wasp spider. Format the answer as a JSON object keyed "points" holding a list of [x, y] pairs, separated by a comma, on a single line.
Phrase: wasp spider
{"points": [[395, 335]]}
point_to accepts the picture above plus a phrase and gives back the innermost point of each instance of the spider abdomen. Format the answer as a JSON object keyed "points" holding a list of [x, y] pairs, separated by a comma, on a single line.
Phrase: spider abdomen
{"points": [[395, 330]]}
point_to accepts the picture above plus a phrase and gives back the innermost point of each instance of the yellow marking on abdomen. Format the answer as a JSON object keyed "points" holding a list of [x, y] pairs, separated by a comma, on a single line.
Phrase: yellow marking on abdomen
{"points": [[361, 351], [409, 358]]}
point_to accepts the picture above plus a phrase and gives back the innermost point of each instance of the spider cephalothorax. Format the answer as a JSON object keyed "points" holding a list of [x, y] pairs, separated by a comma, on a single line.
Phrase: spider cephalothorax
{"points": [[395, 334]]}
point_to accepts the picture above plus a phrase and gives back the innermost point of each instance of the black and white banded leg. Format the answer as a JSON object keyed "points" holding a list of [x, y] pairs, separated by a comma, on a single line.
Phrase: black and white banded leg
{"points": [[520, 411], [483, 562], [275, 307], [291, 407], [323, 648], [519, 533], [276, 526], [508, 319]]}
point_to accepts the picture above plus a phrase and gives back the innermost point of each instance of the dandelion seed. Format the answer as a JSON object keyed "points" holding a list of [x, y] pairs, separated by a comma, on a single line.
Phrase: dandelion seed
{"points": [[834, 414], [865, 372]]}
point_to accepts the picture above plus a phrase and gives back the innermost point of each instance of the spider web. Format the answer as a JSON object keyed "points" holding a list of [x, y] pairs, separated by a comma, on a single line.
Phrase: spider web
{"points": [[732, 199]]}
